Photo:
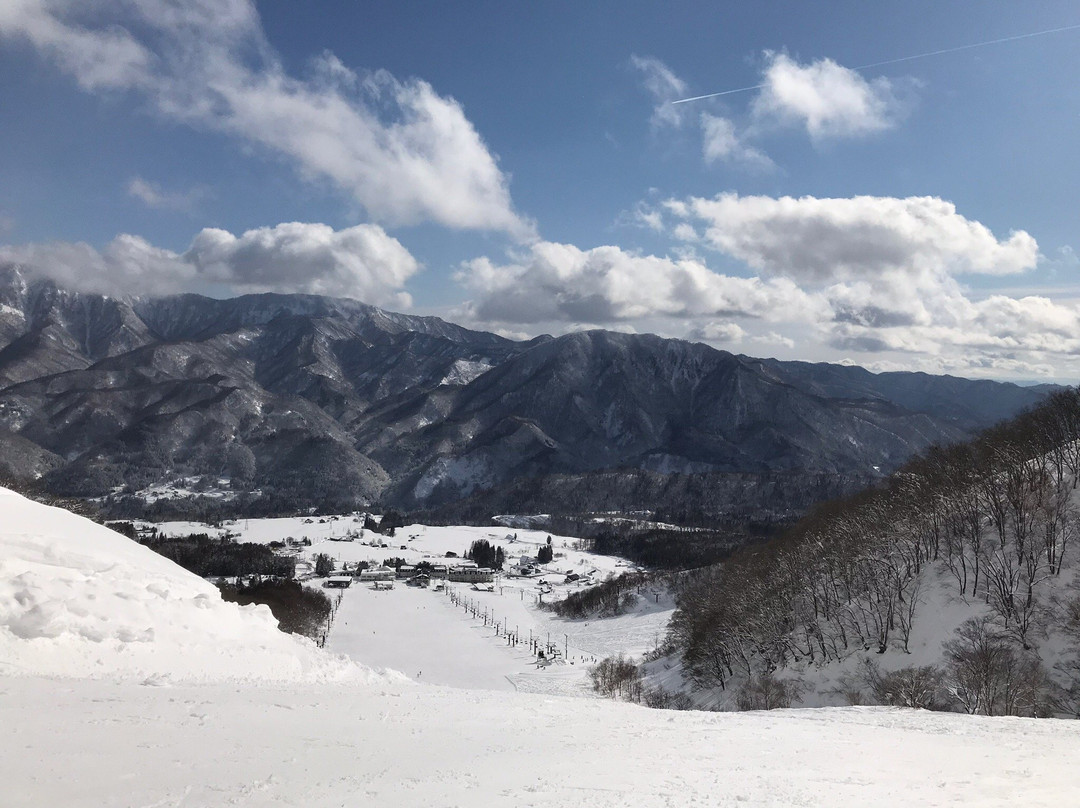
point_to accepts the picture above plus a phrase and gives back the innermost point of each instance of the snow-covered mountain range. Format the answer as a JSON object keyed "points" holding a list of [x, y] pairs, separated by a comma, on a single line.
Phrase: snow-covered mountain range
{"points": [[318, 400]]}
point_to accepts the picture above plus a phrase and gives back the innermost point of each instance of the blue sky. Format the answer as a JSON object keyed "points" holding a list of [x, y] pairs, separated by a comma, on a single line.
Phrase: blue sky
{"points": [[522, 168]]}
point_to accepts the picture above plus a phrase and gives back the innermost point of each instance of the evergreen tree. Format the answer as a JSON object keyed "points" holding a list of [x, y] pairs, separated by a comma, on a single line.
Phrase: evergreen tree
{"points": [[324, 565]]}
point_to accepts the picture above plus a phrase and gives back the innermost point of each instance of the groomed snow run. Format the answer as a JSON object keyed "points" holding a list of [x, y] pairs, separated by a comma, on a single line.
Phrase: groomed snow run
{"points": [[99, 744], [125, 681]]}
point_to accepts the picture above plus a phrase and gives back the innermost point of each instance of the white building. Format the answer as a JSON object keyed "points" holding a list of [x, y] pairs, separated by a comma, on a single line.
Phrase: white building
{"points": [[378, 574], [472, 575]]}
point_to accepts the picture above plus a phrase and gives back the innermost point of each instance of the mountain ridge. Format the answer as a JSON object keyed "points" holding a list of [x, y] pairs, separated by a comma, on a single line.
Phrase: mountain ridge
{"points": [[318, 400]]}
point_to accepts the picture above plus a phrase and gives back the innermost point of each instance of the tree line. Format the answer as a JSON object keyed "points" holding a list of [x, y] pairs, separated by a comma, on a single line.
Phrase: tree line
{"points": [[608, 598], [210, 557], [297, 608]]}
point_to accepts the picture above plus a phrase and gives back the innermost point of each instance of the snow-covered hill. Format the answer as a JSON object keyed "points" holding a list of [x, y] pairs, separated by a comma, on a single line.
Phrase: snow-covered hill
{"points": [[89, 619], [78, 599], [953, 584]]}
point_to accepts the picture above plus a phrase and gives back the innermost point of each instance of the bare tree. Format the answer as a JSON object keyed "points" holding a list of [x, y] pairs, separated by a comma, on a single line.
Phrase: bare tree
{"points": [[765, 691], [987, 675], [920, 687]]}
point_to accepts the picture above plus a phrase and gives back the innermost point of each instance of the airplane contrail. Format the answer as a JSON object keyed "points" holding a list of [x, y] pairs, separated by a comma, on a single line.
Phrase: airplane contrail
{"points": [[902, 59]]}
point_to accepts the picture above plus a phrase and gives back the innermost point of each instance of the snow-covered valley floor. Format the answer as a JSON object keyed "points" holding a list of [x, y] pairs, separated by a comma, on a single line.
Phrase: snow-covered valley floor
{"points": [[420, 633]]}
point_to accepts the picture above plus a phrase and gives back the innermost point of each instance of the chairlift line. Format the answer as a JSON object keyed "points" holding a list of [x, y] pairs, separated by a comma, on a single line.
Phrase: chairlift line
{"points": [[956, 49]]}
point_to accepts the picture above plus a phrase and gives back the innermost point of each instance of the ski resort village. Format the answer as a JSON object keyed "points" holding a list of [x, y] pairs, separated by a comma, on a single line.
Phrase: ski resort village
{"points": [[412, 599]]}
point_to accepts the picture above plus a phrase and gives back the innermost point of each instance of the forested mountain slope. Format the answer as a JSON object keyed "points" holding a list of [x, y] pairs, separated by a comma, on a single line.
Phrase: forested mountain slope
{"points": [[953, 584], [319, 401]]}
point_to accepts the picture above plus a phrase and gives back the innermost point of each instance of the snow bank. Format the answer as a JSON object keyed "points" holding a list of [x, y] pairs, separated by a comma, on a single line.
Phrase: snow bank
{"points": [[79, 600]]}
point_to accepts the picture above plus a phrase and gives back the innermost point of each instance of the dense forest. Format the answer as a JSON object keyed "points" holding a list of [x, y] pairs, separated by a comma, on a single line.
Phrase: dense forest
{"points": [[671, 548], [702, 500], [297, 608], [996, 516], [210, 557]]}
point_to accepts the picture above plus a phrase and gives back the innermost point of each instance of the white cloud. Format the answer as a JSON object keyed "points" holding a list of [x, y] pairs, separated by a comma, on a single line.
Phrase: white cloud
{"points": [[361, 262], [400, 149], [880, 276], [773, 339], [685, 231], [1064, 263], [826, 99], [647, 217], [721, 142], [982, 334], [830, 100], [887, 270], [664, 86], [727, 333], [560, 282], [127, 264], [859, 239], [106, 58], [154, 196], [718, 136]]}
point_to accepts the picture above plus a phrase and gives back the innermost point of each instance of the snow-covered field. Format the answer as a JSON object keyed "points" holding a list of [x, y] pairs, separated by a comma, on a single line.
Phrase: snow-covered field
{"points": [[127, 683], [422, 634], [413, 543]]}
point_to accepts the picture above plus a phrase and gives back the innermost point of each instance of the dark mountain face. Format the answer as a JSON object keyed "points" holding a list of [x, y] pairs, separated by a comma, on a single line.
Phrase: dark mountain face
{"points": [[317, 401]]}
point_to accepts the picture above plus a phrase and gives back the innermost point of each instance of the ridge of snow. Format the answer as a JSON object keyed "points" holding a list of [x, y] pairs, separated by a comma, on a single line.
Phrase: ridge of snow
{"points": [[464, 371], [80, 600]]}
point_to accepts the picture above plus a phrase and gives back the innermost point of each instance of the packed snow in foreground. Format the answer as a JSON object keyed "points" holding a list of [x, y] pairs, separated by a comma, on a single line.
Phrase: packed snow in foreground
{"points": [[94, 743], [126, 682]]}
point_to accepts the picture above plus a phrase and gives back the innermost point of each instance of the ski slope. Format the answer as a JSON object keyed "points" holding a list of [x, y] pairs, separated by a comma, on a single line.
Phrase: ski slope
{"points": [[126, 683], [421, 634], [100, 744]]}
